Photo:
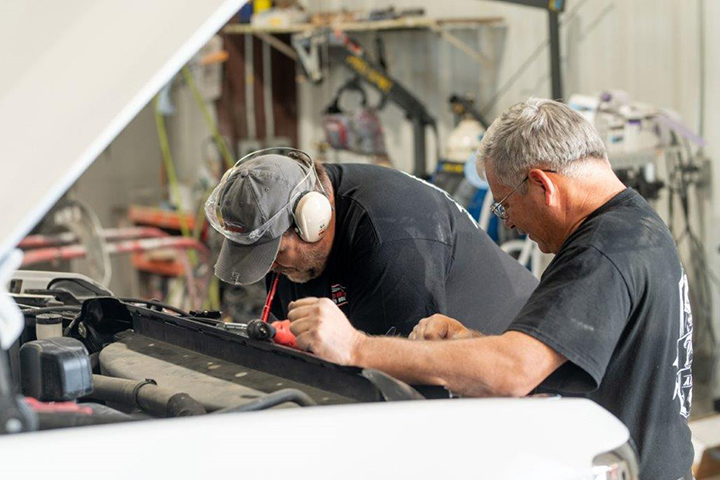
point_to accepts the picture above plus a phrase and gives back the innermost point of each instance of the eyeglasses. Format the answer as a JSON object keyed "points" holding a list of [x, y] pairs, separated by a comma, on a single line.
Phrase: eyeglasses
{"points": [[499, 209]]}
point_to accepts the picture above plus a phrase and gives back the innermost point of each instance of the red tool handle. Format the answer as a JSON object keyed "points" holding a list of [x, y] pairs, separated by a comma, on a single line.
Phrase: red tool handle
{"points": [[283, 335], [269, 299]]}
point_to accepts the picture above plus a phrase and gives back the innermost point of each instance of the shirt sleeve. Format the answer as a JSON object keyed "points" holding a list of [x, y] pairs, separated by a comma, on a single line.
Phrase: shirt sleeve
{"points": [[396, 284], [580, 309]]}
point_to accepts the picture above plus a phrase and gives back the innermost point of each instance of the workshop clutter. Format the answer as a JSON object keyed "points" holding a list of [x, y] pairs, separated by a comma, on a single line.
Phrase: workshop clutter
{"points": [[359, 131]]}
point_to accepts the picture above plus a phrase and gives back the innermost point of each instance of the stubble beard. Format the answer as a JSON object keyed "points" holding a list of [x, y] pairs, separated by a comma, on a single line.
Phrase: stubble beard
{"points": [[315, 262]]}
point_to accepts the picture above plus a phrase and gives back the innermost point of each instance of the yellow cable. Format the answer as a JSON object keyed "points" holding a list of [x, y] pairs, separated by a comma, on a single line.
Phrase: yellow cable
{"points": [[190, 80], [172, 177], [214, 294]]}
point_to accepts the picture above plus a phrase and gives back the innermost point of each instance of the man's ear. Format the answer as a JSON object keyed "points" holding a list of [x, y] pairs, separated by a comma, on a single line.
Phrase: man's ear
{"points": [[542, 179]]}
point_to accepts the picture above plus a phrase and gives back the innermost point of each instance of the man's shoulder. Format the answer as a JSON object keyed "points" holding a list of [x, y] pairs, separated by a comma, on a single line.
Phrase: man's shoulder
{"points": [[395, 205], [632, 237], [352, 179], [624, 228]]}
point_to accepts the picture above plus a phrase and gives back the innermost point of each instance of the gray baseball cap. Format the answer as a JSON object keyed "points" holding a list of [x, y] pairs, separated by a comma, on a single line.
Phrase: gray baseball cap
{"points": [[252, 207]]}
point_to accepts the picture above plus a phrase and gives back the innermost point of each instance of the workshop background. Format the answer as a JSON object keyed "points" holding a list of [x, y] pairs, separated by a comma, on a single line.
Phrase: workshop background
{"points": [[244, 91]]}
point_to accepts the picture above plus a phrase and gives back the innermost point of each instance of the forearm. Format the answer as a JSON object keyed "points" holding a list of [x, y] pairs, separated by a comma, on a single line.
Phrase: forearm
{"points": [[479, 367], [511, 364]]}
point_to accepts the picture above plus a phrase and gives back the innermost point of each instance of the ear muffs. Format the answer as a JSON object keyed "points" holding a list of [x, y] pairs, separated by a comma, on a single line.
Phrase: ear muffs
{"points": [[312, 214]]}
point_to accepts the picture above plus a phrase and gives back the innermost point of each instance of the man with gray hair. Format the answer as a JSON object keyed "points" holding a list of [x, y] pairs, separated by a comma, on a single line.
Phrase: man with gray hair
{"points": [[609, 321]]}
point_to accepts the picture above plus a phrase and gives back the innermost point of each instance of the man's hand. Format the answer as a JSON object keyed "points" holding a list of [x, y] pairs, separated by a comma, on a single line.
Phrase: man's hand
{"points": [[441, 327], [320, 327]]}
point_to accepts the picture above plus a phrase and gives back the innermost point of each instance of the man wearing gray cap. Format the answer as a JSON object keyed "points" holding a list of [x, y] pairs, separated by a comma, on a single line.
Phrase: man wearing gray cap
{"points": [[387, 248]]}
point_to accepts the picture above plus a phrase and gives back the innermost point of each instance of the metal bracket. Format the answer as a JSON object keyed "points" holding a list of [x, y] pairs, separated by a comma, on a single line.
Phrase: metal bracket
{"points": [[306, 46]]}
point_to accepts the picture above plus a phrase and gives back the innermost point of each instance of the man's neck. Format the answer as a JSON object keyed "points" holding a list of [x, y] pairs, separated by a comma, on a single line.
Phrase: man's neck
{"points": [[585, 197]]}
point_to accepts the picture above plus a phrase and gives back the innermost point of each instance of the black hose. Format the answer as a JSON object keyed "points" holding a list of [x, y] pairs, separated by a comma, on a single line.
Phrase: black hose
{"points": [[146, 395], [155, 303], [272, 400], [101, 415], [183, 405]]}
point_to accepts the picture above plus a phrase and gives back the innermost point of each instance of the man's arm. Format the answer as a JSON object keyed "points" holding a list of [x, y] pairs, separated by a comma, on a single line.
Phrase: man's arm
{"points": [[512, 364], [441, 327]]}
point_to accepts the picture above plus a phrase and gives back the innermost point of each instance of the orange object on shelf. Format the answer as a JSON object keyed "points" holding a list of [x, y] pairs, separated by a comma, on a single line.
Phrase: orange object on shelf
{"points": [[169, 268], [214, 57], [158, 217]]}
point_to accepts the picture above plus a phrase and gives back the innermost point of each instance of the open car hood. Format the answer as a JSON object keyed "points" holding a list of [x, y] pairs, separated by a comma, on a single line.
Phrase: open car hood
{"points": [[76, 73]]}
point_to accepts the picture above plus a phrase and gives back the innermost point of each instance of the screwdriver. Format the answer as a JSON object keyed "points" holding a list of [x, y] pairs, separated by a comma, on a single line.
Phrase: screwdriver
{"points": [[259, 329]]}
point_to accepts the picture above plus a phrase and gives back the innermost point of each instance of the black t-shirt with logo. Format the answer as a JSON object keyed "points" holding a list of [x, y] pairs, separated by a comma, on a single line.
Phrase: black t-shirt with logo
{"points": [[404, 250], [614, 302]]}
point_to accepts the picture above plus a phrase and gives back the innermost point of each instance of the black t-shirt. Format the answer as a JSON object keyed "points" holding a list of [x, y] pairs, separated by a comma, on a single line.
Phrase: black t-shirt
{"points": [[614, 302], [404, 250]]}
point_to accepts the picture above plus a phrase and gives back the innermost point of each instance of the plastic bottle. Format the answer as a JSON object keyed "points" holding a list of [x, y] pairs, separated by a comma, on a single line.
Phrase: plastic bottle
{"points": [[48, 325], [631, 140]]}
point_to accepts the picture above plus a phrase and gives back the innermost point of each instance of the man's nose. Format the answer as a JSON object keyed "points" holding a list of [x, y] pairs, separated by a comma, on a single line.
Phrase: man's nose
{"points": [[508, 223], [283, 244], [284, 249]]}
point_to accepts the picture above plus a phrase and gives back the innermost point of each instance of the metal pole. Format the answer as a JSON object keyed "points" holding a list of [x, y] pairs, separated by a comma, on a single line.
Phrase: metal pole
{"points": [[419, 140], [555, 71]]}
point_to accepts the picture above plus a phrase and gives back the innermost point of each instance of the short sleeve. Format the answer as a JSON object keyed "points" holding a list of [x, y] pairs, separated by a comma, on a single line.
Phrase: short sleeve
{"points": [[580, 310], [397, 284]]}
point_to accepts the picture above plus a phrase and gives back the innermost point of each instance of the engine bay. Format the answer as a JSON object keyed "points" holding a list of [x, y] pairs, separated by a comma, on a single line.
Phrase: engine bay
{"points": [[87, 357]]}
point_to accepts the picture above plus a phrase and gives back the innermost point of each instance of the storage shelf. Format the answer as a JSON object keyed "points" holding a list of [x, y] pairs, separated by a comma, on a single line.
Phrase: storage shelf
{"points": [[399, 24]]}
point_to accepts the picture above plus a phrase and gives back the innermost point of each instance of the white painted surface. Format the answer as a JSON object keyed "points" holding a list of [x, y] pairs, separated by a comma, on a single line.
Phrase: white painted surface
{"points": [[75, 73], [495, 439]]}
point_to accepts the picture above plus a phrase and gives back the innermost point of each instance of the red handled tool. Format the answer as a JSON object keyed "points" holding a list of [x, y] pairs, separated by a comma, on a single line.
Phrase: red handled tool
{"points": [[283, 335], [278, 331], [269, 299]]}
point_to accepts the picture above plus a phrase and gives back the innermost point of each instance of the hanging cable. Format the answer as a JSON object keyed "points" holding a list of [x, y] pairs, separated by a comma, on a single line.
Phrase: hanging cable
{"points": [[219, 139], [172, 177], [682, 176]]}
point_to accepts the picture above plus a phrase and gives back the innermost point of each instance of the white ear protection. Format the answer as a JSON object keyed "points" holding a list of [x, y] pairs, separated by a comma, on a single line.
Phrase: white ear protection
{"points": [[312, 214]]}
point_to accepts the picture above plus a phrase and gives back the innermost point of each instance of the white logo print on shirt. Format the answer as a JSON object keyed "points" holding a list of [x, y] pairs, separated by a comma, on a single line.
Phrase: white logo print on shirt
{"points": [[683, 361]]}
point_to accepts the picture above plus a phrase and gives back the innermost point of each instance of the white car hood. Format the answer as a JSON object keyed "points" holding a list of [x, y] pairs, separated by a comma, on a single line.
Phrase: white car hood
{"points": [[489, 439], [75, 72]]}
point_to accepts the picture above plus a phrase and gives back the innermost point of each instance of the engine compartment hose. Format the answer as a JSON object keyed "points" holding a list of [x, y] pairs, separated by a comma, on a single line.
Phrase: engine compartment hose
{"points": [[272, 400], [101, 415], [145, 395]]}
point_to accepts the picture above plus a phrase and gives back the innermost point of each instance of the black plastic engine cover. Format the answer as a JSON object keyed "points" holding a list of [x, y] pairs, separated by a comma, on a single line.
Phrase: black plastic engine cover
{"points": [[55, 370]]}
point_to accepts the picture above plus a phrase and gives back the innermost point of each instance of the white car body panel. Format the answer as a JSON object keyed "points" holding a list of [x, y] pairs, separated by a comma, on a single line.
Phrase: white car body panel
{"points": [[75, 72], [546, 438]]}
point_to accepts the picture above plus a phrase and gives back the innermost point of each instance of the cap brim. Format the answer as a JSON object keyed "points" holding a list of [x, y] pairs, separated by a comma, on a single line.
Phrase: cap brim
{"points": [[245, 264]]}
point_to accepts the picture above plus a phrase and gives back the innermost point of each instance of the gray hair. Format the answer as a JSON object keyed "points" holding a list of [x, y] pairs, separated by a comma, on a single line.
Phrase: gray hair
{"points": [[539, 134]]}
